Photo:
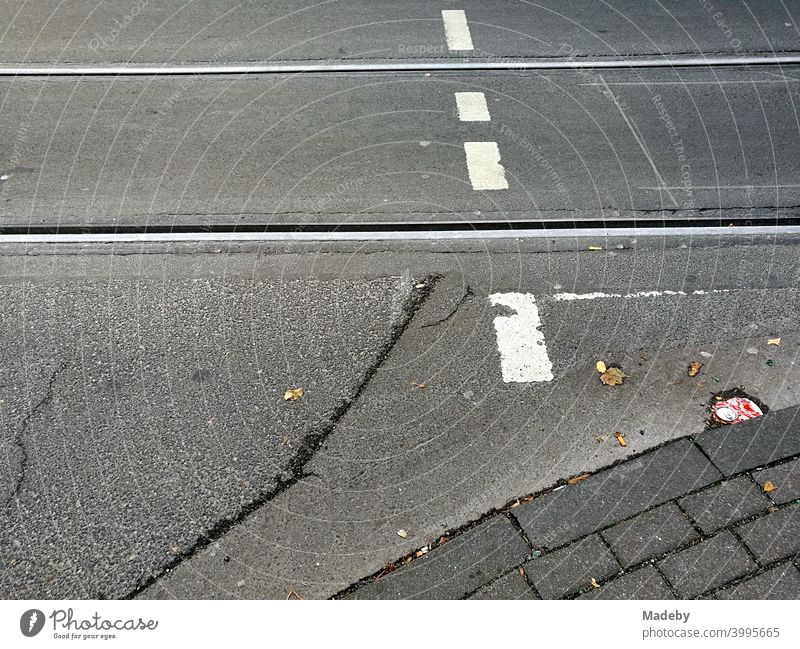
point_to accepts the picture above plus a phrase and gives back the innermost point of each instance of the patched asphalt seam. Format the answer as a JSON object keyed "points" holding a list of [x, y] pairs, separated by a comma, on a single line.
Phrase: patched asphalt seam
{"points": [[309, 445], [464, 298]]}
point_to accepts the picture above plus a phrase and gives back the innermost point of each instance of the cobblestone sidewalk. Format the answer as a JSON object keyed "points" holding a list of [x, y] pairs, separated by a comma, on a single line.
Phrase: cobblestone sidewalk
{"points": [[695, 518]]}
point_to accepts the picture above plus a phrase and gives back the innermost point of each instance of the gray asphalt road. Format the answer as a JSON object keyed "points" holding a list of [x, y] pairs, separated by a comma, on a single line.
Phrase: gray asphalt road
{"points": [[136, 419], [425, 460], [643, 144], [142, 31], [144, 404]]}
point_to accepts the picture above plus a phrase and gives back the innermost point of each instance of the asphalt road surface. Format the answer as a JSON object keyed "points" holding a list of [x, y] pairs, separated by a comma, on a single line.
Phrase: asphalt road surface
{"points": [[305, 149], [215, 31], [146, 447]]}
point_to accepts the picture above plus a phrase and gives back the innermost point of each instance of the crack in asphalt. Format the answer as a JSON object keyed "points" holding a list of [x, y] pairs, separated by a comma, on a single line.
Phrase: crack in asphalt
{"points": [[19, 438], [466, 296], [309, 445]]}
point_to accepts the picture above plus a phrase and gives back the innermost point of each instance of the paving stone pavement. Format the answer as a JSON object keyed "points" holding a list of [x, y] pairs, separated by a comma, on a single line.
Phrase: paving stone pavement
{"points": [[712, 517]]}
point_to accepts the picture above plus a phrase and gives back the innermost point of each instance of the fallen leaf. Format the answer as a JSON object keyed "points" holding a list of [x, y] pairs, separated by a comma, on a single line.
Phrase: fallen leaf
{"points": [[768, 487], [774, 341], [601, 366], [402, 534], [521, 571], [293, 394], [595, 247], [292, 595], [578, 478], [594, 583], [694, 368], [613, 376], [620, 438], [515, 504], [421, 386]]}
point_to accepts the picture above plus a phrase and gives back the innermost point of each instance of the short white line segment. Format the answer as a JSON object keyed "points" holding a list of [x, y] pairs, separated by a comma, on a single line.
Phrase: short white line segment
{"points": [[483, 164], [523, 353], [456, 30], [472, 107]]}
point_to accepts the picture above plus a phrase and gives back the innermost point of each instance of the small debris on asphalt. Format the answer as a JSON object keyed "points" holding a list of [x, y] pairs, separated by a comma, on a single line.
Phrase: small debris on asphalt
{"points": [[595, 248], [578, 478], [620, 438], [402, 534], [293, 394], [768, 487], [694, 368], [774, 341], [292, 595], [601, 366], [601, 438], [769, 362], [521, 571], [752, 350], [706, 354], [613, 376], [420, 386], [734, 410], [594, 583]]}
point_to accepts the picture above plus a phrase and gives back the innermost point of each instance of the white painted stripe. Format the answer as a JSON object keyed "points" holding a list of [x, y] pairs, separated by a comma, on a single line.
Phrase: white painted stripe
{"points": [[568, 297], [472, 107], [456, 29], [523, 353], [483, 164]]}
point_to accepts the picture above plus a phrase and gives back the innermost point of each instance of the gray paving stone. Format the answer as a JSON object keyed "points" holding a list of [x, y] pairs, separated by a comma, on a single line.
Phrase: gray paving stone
{"points": [[571, 569], [460, 566], [616, 494], [780, 582], [707, 565], [751, 444], [725, 504], [650, 534], [785, 477], [644, 583], [774, 536], [511, 586]]}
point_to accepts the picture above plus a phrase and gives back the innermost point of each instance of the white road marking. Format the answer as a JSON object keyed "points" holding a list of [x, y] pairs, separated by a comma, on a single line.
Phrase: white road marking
{"points": [[568, 297], [456, 29], [472, 107], [523, 353], [715, 187], [483, 164]]}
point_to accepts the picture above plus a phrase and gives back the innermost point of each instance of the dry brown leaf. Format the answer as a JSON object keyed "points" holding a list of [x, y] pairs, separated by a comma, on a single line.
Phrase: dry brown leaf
{"points": [[768, 487], [594, 583], [578, 478], [293, 394], [620, 438], [421, 386], [601, 366], [613, 376], [402, 534], [774, 341], [694, 368], [521, 571]]}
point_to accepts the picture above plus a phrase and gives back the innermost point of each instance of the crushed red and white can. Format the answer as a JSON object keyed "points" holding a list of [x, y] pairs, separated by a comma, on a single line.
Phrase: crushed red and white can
{"points": [[734, 410]]}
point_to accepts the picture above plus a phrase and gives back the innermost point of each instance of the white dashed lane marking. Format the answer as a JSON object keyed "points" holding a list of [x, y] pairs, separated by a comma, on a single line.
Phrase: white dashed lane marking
{"points": [[456, 30], [472, 107], [523, 353], [483, 165]]}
